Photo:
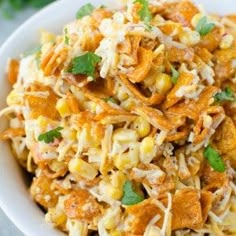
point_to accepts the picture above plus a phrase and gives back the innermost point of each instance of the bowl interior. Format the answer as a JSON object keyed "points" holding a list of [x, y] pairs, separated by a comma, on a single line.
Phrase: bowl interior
{"points": [[14, 196]]}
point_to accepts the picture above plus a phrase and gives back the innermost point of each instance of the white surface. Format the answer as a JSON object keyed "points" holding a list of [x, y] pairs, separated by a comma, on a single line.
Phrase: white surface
{"points": [[14, 197]]}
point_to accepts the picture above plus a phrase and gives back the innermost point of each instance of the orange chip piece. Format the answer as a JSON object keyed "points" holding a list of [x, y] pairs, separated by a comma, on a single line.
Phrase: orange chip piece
{"points": [[42, 192], [13, 68], [186, 210], [184, 79], [225, 137], [140, 71], [40, 106], [82, 206], [142, 214], [182, 12]]}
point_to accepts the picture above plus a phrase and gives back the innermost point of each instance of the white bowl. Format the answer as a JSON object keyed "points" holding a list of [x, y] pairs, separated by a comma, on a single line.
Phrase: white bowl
{"points": [[14, 197]]}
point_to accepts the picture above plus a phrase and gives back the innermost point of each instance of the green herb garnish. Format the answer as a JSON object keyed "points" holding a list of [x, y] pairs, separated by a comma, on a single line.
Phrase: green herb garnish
{"points": [[144, 13], [225, 95], [67, 39], [110, 99], [203, 27], [175, 75], [85, 10], [214, 159], [130, 197], [51, 135], [9, 7], [85, 64]]}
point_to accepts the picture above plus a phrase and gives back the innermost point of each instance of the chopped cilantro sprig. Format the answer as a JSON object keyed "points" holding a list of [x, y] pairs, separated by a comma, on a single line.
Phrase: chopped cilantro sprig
{"points": [[9, 7], [50, 136], [225, 95], [203, 27], [85, 10], [175, 75], [214, 159], [85, 64], [144, 13], [130, 197]]}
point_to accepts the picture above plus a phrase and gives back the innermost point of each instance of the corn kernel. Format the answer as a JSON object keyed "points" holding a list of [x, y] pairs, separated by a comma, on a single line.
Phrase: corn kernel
{"points": [[78, 166], [91, 106], [226, 41], [115, 193], [147, 149], [55, 217], [190, 38], [116, 233], [122, 94], [56, 165], [124, 162], [118, 179], [46, 37], [14, 98], [196, 19], [128, 104], [63, 107], [110, 223], [142, 127], [125, 135], [42, 122], [163, 83], [69, 134]]}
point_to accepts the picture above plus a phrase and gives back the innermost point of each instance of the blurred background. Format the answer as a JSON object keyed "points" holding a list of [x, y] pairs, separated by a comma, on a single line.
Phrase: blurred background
{"points": [[12, 14]]}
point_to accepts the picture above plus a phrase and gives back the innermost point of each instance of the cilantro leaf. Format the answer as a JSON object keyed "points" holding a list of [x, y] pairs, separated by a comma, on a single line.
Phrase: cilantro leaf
{"points": [[203, 27], [85, 10], [175, 75], [85, 64], [144, 13], [67, 39], [110, 99], [225, 95], [130, 197], [40, 3], [214, 159], [50, 136]]}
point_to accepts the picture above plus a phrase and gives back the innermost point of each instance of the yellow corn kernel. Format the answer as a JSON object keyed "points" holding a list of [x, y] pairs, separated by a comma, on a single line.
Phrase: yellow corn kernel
{"points": [[14, 98], [226, 41], [57, 165], [142, 126], [110, 223], [128, 104], [91, 106], [118, 179], [122, 94], [125, 135], [43, 122], [78, 166], [147, 150], [63, 107], [125, 161], [69, 134], [190, 38], [196, 19], [46, 37], [55, 217], [147, 145], [115, 193], [116, 233], [163, 83]]}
